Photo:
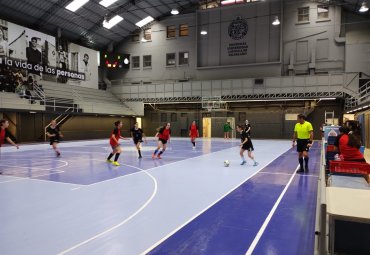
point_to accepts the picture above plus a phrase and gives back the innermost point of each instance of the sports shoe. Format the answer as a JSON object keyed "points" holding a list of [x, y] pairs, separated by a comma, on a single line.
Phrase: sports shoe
{"points": [[243, 162], [193, 147], [58, 154], [1, 172], [299, 171], [255, 163], [153, 156], [159, 156], [115, 163], [109, 160], [140, 156]]}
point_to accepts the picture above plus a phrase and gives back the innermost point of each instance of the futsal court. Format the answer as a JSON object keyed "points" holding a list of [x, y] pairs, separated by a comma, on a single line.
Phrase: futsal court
{"points": [[185, 203]]}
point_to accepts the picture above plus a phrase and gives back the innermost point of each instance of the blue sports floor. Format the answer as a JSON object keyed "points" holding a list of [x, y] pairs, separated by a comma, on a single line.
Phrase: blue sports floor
{"points": [[186, 203]]}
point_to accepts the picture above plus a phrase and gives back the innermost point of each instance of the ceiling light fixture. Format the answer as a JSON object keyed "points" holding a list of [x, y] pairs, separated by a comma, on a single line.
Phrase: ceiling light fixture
{"points": [[174, 12], [276, 21], [75, 5], [226, 2], [364, 7], [203, 32], [112, 22], [107, 3], [145, 21]]}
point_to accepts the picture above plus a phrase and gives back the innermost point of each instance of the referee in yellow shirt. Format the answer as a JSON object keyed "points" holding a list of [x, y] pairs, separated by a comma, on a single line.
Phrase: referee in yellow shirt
{"points": [[303, 133]]}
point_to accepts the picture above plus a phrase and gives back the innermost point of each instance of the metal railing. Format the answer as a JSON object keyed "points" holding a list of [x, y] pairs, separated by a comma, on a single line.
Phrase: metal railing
{"points": [[364, 92], [39, 92], [284, 87], [59, 120], [61, 103]]}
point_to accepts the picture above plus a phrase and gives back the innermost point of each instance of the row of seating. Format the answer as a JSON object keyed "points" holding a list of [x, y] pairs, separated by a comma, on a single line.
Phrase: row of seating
{"points": [[88, 99], [11, 100]]}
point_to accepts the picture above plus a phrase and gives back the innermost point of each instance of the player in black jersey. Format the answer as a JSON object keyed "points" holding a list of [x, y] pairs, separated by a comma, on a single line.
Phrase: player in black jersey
{"points": [[54, 135], [137, 135], [246, 145]]}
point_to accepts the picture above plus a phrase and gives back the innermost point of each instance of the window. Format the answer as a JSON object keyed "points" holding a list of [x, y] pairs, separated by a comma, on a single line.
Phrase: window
{"points": [[148, 34], [135, 37], [147, 61], [303, 14], [171, 31], [322, 12], [183, 58], [184, 30], [135, 62], [173, 117], [163, 117], [170, 59]]}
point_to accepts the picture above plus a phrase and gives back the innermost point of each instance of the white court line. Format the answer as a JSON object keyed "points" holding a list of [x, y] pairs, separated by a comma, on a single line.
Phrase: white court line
{"points": [[269, 216], [281, 173], [153, 168], [40, 169], [31, 178], [36, 176], [205, 209], [122, 222]]}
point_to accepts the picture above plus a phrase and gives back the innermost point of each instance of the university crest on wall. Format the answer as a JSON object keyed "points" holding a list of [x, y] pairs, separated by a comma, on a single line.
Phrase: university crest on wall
{"points": [[238, 28]]}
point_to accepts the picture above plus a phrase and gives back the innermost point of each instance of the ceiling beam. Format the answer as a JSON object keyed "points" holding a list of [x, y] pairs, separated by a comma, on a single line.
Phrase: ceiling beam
{"points": [[118, 10], [102, 36], [25, 14], [49, 13]]}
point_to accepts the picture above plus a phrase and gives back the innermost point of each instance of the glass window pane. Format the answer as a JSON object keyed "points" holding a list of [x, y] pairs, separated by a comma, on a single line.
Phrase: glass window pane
{"points": [[184, 30], [171, 31]]}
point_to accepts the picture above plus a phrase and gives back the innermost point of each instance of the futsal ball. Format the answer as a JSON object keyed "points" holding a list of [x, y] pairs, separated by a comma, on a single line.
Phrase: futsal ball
{"points": [[226, 163]]}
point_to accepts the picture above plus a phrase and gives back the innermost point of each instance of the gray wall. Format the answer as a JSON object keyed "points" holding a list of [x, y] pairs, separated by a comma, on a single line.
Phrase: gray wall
{"points": [[319, 44], [225, 45], [313, 41], [158, 47], [357, 44]]}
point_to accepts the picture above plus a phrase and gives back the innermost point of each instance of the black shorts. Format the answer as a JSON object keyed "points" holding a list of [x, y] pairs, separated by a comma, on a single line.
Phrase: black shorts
{"points": [[248, 146], [302, 145], [162, 140], [136, 141], [54, 141]]}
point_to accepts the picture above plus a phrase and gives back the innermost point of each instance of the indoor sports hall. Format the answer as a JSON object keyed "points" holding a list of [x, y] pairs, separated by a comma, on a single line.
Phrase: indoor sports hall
{"points": [[184, 127]]}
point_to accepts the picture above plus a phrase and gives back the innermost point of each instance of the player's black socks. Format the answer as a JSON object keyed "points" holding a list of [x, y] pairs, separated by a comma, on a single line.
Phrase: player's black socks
{"points": [[301, 163], [306, 163], [139, 152], [110, 156], [161, 152], [193, 144], [117, 156]]}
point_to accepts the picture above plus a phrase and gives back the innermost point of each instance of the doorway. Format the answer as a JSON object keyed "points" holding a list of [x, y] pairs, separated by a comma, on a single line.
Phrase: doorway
{"points": [[207, 124]]}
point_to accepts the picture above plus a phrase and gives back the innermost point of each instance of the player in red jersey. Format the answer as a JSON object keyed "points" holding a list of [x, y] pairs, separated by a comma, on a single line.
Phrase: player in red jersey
{"points": [[163, 135], [193, 133], [4, 134], [114, 142]]}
